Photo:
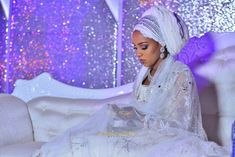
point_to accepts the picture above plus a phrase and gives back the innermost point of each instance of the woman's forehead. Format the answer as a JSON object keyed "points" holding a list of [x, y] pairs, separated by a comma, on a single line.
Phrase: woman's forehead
{"points": [[138, 37]]}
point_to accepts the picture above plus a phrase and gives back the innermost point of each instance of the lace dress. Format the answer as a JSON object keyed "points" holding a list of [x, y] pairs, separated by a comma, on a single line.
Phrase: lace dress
{"points": [[162, 119]]}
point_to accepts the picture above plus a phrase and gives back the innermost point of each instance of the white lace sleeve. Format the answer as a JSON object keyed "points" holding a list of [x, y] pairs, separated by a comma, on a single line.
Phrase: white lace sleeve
{"points": [[182, 108], [181, 102]]}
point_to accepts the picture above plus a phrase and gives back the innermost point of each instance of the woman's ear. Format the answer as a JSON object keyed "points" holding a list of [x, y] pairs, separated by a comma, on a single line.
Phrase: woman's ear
{"points": [[166, 52]]}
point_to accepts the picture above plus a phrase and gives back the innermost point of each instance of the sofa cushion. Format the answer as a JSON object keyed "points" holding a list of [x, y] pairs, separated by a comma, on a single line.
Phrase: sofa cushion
{"points": [[51, 116], [15, 122], [20, 150]]}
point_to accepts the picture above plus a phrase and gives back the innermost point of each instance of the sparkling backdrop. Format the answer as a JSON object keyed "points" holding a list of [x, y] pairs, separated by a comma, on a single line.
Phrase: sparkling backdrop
{"points": [[76, 40], [200, 16]]}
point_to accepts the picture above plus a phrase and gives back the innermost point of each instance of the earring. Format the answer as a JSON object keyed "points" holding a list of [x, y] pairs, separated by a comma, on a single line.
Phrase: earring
{"points": [[162, 50], [162, 55]]}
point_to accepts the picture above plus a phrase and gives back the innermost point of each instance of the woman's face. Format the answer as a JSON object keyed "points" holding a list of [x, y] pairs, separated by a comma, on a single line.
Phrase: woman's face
{"points": [[147, 50]]}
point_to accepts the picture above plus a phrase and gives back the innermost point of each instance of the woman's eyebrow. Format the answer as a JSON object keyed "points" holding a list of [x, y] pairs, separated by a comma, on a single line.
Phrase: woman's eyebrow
{"points": [[144, 42]]}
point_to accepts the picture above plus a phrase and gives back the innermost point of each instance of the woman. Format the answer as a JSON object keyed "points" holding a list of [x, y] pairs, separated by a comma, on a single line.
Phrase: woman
{"points": [[163, 117]]}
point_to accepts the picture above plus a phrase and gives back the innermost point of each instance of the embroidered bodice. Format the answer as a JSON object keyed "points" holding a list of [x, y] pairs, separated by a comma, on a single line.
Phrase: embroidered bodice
{"points": [[143, 94]]}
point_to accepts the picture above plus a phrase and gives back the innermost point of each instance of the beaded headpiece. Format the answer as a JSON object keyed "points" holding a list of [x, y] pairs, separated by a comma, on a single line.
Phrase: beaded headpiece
{"points": [[152, 28]]}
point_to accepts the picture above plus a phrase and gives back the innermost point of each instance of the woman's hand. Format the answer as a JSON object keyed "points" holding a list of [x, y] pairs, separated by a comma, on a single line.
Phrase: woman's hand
{"points": [[126, 112]]}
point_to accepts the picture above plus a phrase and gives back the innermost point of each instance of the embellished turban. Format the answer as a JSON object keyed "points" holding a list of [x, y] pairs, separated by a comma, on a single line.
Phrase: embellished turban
{"points": [[165, 27]]}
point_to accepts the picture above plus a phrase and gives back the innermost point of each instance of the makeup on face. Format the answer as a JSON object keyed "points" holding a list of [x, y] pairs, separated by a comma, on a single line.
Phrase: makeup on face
{"points": [[147, 50]]}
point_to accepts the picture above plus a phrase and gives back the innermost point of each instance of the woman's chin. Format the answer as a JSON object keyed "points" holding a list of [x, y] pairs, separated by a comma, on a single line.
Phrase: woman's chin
{"points": [[147, 66]]}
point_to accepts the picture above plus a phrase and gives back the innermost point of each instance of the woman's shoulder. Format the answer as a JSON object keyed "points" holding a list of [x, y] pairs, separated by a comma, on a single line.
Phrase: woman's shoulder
{"points": [[181, 67]]}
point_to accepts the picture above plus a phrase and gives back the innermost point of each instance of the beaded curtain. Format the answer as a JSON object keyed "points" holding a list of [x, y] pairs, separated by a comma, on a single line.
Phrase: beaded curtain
{"points": [[76, 40]]}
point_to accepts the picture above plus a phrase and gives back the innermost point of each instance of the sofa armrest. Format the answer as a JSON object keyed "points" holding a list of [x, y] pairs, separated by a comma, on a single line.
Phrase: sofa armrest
{"points": [[15, 123]]}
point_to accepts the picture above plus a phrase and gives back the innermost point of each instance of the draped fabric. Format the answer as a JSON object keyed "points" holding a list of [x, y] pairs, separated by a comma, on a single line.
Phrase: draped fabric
{"points": [[161, 119]]}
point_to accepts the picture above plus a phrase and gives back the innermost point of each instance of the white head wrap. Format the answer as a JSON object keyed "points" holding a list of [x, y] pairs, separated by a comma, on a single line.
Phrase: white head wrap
{"points": [[165, 27]]}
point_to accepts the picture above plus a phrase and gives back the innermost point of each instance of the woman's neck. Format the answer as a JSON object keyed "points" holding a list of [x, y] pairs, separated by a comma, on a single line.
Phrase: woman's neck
{"points": [[154, 68], [151, 72]]}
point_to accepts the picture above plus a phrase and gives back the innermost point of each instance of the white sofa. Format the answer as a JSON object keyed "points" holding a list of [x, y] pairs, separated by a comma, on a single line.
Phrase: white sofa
{"points": [[26, 125]]}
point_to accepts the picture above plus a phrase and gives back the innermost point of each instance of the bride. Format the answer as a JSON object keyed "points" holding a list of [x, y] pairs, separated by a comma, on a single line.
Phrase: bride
{"points": [[163, 117]]}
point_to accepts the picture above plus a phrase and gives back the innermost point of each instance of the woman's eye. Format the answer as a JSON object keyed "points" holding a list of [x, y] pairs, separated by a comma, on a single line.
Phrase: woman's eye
{"points": [[144, 47], [135, 48]]}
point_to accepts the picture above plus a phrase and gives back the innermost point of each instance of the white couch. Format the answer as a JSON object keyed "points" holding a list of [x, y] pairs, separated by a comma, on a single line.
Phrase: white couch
{"points": [[26, 125]]}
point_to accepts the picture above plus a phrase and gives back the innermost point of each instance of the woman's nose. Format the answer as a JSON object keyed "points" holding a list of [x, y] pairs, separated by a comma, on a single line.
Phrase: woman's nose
{"points": [[138, 54]]}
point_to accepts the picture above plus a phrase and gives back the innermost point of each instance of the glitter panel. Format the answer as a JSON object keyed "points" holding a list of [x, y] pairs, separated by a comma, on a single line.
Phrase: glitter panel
{"points": [[75, 41], [201, 16], [3, 23]]}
